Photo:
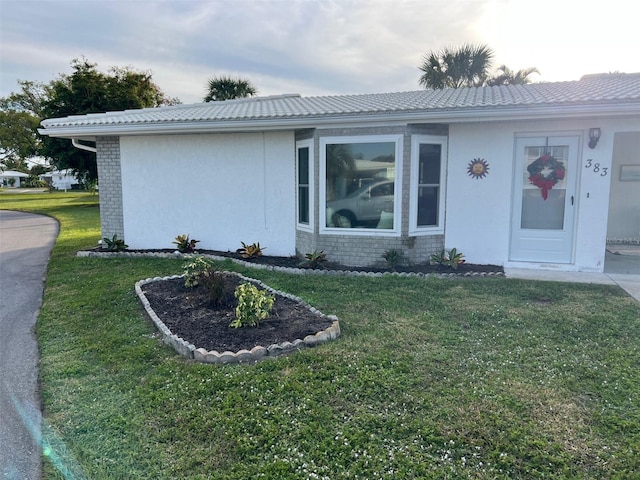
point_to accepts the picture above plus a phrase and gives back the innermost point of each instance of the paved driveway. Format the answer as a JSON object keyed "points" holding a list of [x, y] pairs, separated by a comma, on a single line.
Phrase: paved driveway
{"points": [[25, 245]]}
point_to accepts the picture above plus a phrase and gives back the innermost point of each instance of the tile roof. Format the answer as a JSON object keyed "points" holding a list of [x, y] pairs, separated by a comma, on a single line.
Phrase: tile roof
{"points": [[591, 90]]}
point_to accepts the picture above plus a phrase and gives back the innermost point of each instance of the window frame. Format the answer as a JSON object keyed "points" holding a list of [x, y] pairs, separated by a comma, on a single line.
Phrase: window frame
{"points": [[416, 141], [397, 139], [311, 167]]}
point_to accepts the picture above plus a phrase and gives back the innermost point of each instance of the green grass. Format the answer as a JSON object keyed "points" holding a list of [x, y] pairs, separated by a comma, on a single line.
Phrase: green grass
{"points": [[470, 378]]}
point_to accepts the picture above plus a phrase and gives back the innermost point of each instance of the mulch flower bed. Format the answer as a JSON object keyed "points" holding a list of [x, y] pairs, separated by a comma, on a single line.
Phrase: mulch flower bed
{"points": [[189, 314]]}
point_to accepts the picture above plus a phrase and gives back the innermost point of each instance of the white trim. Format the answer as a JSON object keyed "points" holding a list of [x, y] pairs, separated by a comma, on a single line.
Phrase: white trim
{"points": [[416, 141], [397, 203], [302, 226]]}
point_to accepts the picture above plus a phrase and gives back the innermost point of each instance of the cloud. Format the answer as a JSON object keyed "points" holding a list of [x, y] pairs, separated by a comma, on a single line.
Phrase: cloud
{"points": [[313, 47]]}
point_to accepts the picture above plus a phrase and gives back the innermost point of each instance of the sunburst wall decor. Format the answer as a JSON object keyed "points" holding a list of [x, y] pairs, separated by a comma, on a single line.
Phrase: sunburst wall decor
{"points": [[478, 168]]}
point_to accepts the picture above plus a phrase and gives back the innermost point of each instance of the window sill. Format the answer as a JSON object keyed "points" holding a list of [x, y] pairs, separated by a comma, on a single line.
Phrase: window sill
{"points": [[416, 232], [362, 232]]}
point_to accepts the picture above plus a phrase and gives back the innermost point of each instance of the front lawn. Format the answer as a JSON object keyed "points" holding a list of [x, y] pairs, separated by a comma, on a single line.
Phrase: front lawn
{"points": [[432, 378]]}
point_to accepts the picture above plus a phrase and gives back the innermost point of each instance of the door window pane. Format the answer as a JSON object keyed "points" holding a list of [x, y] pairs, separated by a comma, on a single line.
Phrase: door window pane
{"points": [[544, 188], [538, 213]]}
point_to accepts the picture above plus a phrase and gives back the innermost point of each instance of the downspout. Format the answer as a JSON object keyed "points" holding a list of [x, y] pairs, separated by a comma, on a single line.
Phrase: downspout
{"points": [[76, 143]]}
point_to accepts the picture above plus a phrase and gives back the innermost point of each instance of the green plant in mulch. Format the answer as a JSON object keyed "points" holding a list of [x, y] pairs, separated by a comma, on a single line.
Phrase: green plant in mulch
{"points": [[393, 257], [451, 259], [250, 251], [314, 259], [254, 305], [114, 244], [184, 244], [194, 270]]}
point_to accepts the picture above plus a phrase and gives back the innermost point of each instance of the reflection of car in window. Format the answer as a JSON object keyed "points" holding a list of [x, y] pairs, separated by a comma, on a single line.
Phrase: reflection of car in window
{"points": [[363, 207]]}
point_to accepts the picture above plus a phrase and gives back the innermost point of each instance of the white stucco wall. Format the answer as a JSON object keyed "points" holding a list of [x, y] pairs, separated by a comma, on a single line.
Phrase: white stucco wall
{"points": [[478, 212], [220, 189]]}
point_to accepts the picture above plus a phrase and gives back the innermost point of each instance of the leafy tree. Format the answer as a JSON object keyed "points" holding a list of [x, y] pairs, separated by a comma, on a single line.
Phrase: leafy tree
{"points": [[19, 119], [468, 66], [85, 90], [88, 90], [506, 76], [228, 88], [18, 140]]}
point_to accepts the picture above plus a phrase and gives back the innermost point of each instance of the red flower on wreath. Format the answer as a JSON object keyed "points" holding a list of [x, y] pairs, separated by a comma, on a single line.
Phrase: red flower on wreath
{"points": [[545, 173]]}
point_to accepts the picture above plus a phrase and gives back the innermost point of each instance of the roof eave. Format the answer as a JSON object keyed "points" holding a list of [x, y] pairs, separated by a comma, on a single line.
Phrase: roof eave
{"points": [[458, 115]]}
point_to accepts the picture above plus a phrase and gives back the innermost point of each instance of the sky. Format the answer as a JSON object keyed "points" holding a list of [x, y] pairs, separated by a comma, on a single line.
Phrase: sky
{"points": [[311, 47]]}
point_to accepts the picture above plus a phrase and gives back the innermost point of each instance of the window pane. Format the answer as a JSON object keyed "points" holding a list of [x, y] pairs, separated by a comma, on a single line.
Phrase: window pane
{"points": [[541, 214], [429, 164], [359, 185], [428, 208], [303, 204], [303, 166], [542, 163]]}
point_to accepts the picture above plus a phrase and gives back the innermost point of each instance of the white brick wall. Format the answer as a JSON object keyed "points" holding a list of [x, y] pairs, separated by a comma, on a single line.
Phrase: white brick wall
{"points": [[110, 181]]}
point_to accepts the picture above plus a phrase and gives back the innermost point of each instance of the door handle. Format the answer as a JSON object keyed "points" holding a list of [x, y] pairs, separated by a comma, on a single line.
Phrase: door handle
{"points": [[572, 200]]}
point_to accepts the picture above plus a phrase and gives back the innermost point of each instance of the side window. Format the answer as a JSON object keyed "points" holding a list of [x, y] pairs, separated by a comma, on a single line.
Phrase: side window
{"points": [[427, 189], [304, 185], [429, 185]]}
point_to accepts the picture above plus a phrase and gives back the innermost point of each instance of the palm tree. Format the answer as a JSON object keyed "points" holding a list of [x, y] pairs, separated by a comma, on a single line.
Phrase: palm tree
{"points": [[228, 88], [506, 76], [468, 66]]}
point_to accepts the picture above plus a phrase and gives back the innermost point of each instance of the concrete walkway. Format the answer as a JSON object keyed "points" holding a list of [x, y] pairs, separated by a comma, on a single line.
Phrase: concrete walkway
{"points": [[621, 267], [26, 241]]}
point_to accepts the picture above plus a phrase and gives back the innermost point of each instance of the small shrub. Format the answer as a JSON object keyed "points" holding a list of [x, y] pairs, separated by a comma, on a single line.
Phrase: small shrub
{"points": [[114, 244], [314, 259], [393, 258], [254, 305], [213, 284], [451, 259], [454, 259], [250, 251], [439, 258], [184, 244], [194, 270]]}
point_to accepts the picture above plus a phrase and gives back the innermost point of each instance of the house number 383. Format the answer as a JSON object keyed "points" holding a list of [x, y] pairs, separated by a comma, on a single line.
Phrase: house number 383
{"points": [[597, 168]]}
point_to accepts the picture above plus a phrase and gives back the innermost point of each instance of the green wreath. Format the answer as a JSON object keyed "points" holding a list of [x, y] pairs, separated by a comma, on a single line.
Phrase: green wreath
{"points": [[554, 172]]}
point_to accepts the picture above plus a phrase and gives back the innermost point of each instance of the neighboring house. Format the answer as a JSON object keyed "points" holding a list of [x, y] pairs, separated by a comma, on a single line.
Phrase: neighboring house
{"points": [[11, 178], [509, 175], [61, 179]]}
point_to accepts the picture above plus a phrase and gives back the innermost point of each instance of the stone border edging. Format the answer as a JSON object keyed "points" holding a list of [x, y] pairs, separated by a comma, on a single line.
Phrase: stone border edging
{"points": [[190, 351], [292, 270]]}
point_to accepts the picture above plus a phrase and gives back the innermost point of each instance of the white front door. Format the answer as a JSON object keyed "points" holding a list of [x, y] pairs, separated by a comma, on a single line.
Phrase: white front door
{"points": [[544, 203]]}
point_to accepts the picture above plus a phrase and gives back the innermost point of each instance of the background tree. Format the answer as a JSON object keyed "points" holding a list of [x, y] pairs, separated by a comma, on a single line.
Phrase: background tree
{"points": [[87, 90], [19, 119], [468, 66], [506, 76], [228, 88]]}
